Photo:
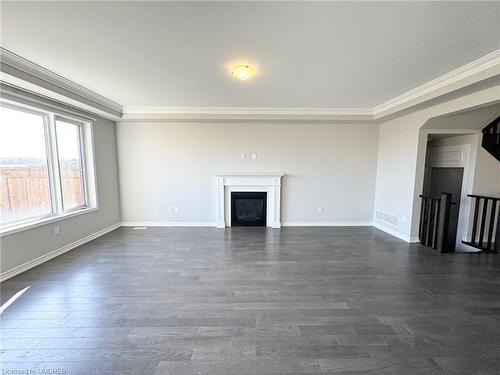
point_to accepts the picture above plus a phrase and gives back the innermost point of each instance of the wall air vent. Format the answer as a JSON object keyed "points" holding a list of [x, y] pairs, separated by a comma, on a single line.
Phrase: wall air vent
{"points": [[387, 218]]}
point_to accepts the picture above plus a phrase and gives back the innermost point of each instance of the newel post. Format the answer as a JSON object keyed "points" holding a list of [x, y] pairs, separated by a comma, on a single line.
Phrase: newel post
{"points": [[496, 247], [444, 223]]}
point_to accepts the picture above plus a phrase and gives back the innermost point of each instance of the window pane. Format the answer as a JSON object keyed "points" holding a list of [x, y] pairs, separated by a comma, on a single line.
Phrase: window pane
{"points": [[70, 164], [24, 177]]}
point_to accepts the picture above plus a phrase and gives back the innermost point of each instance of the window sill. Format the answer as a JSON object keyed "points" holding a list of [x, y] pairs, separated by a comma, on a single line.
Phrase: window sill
{"points": [[48, 220]]}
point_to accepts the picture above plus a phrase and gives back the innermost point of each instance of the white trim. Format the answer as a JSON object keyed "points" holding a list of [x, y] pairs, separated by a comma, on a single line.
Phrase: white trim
{"points": [[214, 224], [21, 94], [478, 70], [327, 223], [447, 156], [68, 92], [168, 224], [465, 157], [249, 110], [453, 131], [7, 231], [394, 233], [28, 67], [13, 299], [246, 174], [242, 182], [35, 262], [247, 114], [11, 83], [55, 185]]}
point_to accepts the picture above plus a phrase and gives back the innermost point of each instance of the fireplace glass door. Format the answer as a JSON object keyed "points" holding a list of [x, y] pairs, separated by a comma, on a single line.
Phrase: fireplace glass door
{"points": [[248, 208]]}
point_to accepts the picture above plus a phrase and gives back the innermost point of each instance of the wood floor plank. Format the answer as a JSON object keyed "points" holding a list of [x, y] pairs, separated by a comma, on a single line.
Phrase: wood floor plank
{"points": [[255, 301]]}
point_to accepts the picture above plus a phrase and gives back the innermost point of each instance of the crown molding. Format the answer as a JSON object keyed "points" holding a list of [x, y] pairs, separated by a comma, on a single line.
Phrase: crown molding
{"points": [[14, 87], [476, 71], [23, 73], [247, 114], [16, 66]]}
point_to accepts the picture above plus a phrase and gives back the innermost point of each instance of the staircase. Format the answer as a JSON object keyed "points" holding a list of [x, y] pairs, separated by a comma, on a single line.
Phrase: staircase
{"points": [[486, 220], [486, 224], [491, 138], [435, 222]]}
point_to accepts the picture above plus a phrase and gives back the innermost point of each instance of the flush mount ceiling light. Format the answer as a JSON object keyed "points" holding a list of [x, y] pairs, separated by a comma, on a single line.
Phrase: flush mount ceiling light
{"points": [[243, 72]]}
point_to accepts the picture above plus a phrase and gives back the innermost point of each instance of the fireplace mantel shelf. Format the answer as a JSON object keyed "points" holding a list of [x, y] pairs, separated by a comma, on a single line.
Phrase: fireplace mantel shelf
{"points": [[269, 182], [279, 174]]}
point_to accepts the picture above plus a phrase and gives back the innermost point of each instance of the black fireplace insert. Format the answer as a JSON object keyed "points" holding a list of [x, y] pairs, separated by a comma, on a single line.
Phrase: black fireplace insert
{"points": [[248, 208]]}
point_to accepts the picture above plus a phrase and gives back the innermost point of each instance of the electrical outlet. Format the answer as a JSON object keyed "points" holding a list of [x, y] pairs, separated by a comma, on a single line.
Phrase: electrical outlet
{"points": [[57, 230], [242, 156], [254, 156]]}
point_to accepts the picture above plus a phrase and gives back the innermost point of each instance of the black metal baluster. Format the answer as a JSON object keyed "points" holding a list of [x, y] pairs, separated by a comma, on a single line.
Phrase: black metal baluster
{"points": [[490, 227], [428, 229], [435, 230], [422, 219], [497, 232], [474, 222], [483, 222]]}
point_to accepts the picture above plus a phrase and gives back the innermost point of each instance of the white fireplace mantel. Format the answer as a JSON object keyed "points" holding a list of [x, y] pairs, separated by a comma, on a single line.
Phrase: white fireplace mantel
{"points": [[266, 182]]}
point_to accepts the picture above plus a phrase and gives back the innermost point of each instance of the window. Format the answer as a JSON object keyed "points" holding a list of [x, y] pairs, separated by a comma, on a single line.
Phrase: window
{"points": [[69, 152], [24, 170], [46, 166]]}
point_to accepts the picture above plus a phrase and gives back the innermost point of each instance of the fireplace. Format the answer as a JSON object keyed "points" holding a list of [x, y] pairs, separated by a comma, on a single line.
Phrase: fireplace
{"points": [[267, 183], [248, 208]]}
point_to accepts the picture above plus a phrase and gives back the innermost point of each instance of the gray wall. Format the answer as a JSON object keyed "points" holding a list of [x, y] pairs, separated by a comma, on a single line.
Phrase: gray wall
{"points": [[166, 165], [22, 247], [401, 156]]}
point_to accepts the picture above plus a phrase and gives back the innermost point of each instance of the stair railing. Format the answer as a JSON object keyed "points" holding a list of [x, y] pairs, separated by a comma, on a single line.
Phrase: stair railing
{"points": [[435, 222], [485, 224], [491, 138]]}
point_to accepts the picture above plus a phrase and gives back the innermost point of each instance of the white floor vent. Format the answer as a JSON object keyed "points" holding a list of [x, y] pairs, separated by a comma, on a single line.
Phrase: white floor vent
{"points": [[140, 228]]}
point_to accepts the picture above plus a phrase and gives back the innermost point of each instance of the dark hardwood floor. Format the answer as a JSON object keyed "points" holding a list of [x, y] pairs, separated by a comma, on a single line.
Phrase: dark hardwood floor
{"points": [[243, 301]]}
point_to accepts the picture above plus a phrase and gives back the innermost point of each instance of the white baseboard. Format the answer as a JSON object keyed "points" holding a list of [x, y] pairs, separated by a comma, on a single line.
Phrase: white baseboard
{"points": [[168, 224], [35, 262], [327, 223], [214, 224], [394, 233]]}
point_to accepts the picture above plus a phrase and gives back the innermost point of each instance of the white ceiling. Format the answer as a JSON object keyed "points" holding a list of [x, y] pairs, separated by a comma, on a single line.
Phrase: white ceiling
{"points": [[475, 119], [307, 54]]}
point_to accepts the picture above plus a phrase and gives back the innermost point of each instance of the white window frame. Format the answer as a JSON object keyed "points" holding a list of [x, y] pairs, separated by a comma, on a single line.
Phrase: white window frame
{"points": [[80, 125], [55, 187]]}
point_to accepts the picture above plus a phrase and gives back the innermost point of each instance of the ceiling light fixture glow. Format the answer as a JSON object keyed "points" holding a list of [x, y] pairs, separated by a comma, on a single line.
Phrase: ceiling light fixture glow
{"points": [[243, 72]]}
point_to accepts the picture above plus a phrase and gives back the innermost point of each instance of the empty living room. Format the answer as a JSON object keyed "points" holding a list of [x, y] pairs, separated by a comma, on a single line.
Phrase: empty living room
{"points": [[250, 187]]}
